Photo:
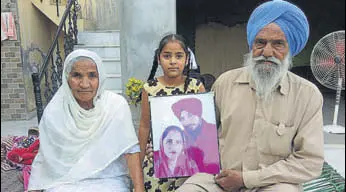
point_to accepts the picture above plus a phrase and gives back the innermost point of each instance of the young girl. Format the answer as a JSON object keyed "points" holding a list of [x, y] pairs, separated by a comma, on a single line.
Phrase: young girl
{"points": [[173, 57], [172, 158]]}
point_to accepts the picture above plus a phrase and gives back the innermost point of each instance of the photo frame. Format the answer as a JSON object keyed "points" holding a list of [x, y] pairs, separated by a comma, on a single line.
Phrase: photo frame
{"points": [[184, 135]]}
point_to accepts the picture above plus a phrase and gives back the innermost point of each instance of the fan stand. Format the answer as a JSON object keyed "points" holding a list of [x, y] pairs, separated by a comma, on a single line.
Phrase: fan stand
{"points": [[334, 128]]}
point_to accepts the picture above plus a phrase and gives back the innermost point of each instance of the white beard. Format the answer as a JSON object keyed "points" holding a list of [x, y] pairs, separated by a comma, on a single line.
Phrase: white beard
{"points": [[267, 76]]}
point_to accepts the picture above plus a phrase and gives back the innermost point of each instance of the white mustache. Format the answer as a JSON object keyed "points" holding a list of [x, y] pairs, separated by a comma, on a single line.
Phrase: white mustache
{"points": [[266, 77], [262, 59]]}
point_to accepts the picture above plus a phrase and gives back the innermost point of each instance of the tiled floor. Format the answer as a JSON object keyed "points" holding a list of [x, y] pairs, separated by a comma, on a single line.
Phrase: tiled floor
{"points": [[17, 127]]}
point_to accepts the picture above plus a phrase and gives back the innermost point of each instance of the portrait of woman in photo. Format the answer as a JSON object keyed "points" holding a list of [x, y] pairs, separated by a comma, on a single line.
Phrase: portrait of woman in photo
{"points": [[172, 159]]}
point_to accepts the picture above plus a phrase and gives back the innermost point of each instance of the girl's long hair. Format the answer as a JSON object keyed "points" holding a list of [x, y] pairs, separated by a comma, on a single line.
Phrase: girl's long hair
{"points": [[169, 38], [162, 44]]}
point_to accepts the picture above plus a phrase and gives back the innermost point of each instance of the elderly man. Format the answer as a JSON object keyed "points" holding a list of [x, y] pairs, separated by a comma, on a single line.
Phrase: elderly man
{"points": [[270, 119]]}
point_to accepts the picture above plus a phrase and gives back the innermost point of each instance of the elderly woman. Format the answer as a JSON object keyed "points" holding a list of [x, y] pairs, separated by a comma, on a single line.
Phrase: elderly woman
{"points": [[88, 142]]}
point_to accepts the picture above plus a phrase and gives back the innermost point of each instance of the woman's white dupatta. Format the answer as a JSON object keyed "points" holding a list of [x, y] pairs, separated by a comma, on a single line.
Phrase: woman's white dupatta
{"points": [[76, 143]]}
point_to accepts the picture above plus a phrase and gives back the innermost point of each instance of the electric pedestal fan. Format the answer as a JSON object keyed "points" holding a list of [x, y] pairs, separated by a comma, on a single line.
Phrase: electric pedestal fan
{"points": [[328, 66]]}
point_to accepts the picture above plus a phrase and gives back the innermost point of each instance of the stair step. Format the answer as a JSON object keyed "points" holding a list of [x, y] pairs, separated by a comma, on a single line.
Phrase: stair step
{"points": [[102, 31], [110, 60], [99, 37], [107, 45], [113, 83], [116, 91], [96, 46], [104, 51], [113, 75], [112, 66]]}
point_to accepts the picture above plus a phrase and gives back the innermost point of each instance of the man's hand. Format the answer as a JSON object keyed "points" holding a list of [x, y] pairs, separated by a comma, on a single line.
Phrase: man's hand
{"points": [[230, 180], [149, 152]]}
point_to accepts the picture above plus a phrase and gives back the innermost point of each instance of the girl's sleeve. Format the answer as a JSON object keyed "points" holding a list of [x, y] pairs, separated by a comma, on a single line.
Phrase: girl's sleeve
{"points": [[133, 149]]}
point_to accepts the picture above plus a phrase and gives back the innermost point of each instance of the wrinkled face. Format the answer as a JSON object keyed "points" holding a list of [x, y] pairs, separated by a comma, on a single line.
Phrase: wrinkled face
{"points": [[190, 121], [172, 59], [270, 42], [269, 60], [84, 81], [173, 144]]}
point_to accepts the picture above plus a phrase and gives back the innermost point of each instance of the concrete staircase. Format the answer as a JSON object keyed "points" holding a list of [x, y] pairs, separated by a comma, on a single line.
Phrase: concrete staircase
{"points": [[48, 8], [107, 45]]}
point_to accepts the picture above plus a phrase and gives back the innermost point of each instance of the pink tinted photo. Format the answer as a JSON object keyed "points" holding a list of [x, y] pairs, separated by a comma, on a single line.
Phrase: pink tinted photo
{"points": [[184, 135]]}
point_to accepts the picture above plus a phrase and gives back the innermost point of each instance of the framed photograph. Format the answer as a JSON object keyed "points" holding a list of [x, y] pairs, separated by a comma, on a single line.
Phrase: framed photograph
{"points": [[184, 135]]}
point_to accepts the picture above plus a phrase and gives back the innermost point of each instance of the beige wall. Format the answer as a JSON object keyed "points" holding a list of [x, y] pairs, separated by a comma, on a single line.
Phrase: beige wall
{"points": [[36, 33], [93, 15], [100, 14], [38, 24], [220, 48], [34, 26], [49, 9]]}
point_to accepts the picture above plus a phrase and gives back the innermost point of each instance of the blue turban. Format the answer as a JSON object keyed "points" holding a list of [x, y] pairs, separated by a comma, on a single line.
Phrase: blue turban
{"points": [[287, 16]]}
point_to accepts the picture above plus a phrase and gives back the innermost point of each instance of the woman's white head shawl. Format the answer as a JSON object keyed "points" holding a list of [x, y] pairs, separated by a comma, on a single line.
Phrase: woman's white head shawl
{"points": [[76, 143]]}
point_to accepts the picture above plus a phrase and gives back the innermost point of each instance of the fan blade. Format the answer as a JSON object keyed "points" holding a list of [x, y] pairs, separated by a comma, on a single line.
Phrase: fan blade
{"points": [[340, 48], [322, 50], [339, 40], [329, 46], [328, 60], [328, 76]]}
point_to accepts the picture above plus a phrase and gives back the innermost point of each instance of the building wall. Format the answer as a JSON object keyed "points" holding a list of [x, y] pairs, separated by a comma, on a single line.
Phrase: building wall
{"points": [[140, 36], [36, 23], [220, 48], [93, 15], [13, 105], [37, 33], [100, 14], [23, 57]]}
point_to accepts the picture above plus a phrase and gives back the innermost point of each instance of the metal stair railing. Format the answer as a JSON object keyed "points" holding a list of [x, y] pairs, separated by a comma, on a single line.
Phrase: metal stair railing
{"points": [[52, 67]]}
